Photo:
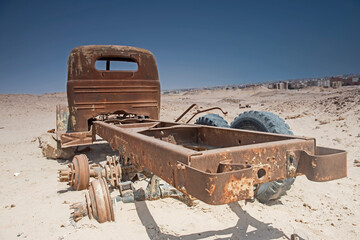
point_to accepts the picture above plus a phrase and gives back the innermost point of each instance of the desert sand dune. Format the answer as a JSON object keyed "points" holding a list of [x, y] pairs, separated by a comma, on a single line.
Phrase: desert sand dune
{"points": [[34, 205]]}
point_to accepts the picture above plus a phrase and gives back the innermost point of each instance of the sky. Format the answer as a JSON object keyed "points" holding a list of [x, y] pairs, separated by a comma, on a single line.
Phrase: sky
{"points": [[195, 43]]}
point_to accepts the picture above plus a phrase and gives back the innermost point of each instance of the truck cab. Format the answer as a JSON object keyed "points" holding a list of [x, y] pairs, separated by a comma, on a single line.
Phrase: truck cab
{"points": [[92, 92]]}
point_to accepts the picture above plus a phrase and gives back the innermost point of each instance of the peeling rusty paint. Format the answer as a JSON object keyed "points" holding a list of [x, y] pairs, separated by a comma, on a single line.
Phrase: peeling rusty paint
{"points": [[238, 189]]}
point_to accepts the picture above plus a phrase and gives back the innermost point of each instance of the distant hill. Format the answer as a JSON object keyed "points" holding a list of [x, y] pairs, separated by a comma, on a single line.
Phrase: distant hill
{"points": [[236, 86]]}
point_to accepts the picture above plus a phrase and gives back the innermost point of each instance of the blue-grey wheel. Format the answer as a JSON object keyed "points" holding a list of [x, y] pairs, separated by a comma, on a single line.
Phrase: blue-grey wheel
{"points": [[266, 122], [212, 120]]}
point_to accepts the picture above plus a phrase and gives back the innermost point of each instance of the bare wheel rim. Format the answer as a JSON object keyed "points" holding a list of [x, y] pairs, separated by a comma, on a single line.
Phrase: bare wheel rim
{"points": [[100, 201], [81, 172]]}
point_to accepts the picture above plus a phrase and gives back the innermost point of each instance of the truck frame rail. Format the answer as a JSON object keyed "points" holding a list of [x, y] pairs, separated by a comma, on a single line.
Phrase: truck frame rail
{"points": [[219, 165]]}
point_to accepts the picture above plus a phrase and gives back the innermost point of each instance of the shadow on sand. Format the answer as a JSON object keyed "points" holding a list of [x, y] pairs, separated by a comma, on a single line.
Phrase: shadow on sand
{"points": [[262, 230], [96, 153]]}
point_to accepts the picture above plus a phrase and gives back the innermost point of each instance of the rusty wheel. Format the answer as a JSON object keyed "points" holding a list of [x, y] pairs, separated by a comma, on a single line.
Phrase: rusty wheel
{"points": [[101, 206], [80, 172]]}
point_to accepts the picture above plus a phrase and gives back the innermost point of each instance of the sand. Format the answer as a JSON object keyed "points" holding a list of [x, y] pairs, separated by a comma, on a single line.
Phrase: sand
{"points": [[34, 205]]}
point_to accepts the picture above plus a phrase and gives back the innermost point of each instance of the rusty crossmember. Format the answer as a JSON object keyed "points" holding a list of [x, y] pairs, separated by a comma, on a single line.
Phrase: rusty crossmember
{"points": [[218, 165]]}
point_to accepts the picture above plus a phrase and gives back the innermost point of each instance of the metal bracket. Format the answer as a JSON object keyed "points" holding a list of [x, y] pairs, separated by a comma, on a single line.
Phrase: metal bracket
{"points": [[327, 164]]}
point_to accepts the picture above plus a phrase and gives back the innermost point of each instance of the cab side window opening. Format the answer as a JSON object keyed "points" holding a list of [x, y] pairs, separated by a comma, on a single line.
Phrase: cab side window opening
{"points": [[116, 64]]}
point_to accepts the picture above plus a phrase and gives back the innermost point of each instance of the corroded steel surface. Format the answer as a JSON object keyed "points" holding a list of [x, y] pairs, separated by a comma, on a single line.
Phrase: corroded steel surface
{"points": [[62, 120], [326, 164], [71, 139], [218, 165], [112, 171], [97, 204], [101, 204], [77, 174], [92, 92]]}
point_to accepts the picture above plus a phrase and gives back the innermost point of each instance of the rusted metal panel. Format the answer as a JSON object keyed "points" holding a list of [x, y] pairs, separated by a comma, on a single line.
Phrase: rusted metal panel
{"points": [[327, 164], [215, 188], [273, 154], [62, 120], [92, 92], [77, 139]]}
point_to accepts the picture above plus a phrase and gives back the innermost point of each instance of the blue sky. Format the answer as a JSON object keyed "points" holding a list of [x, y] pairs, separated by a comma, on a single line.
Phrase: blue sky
{"points": [[196, 43]]}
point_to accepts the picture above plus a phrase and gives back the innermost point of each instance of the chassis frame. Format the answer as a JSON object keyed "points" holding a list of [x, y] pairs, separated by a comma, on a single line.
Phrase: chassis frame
{"points": [[216, 165]]}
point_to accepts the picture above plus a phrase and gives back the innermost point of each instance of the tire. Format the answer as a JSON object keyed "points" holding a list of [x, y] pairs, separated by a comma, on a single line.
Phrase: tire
{"points": [[212, 120], [266, 122]]}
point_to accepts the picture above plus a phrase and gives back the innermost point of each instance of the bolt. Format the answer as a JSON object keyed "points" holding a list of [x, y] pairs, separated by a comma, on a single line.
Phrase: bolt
{"points": [[292, 170], [313, 164]]}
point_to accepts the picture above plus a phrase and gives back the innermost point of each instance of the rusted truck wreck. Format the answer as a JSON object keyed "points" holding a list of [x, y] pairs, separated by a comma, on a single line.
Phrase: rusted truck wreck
{"points": [[210, 160]]}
